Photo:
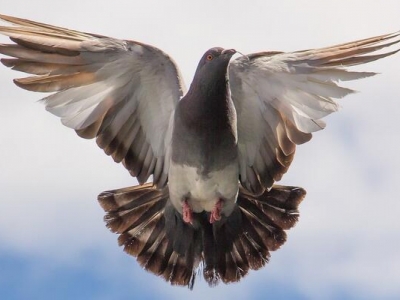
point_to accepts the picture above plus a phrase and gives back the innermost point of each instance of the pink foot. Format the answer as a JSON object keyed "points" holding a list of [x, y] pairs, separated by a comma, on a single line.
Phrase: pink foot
{"points": [[187, 213], [215, 214]]}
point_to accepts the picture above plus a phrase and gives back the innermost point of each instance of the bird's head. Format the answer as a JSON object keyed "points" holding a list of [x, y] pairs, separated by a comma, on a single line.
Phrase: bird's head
{"points": [[213, 66]]}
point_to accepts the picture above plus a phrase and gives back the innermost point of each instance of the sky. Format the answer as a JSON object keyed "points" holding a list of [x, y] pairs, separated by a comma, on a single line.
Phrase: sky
{"points": [[53, 241]]}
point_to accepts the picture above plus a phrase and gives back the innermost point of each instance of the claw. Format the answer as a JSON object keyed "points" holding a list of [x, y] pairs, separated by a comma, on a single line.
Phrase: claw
{"points": [[215, 214], [187, 213]]}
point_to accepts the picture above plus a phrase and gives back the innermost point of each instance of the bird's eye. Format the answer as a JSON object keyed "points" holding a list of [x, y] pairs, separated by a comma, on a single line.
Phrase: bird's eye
{"points": [[210, 57]]}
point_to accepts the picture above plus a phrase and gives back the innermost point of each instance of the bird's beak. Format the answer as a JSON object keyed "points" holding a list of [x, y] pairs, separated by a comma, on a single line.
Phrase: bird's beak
{"points": [[228, 51]]}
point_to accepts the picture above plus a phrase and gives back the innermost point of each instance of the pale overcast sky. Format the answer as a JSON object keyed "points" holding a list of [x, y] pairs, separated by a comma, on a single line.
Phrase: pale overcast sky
{"points": [[54, 244]]}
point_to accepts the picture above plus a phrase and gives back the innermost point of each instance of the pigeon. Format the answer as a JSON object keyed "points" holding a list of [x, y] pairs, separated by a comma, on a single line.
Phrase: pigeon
{"points": [[207, 159]]}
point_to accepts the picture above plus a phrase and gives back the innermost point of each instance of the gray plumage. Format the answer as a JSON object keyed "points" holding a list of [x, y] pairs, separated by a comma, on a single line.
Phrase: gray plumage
{"points": [[214, 152], [205, 132]]}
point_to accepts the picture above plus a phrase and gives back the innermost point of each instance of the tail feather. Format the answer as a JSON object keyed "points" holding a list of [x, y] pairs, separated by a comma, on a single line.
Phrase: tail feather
{"points": [[159, 261], [261, 228], [121, 199], [210, 258], [154, 232], [254, 247], [242, 263], [279, 204]]}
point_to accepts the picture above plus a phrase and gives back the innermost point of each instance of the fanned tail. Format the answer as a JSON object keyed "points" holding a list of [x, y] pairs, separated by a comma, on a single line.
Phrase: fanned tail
{"points": [[243, 241], [153, 231], [139, 215]]}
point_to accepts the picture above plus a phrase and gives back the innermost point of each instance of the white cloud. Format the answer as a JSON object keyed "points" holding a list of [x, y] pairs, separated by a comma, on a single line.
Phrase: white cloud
{"points": [[348, 235]]}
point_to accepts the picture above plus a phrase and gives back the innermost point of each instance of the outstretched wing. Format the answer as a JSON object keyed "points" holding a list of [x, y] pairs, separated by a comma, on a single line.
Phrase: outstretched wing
{"points": [[281, 98], [122, 93]]}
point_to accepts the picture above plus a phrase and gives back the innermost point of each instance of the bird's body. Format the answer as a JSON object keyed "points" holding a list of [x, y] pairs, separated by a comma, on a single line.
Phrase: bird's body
{"points": [[203, 190], [204, 152], [214, 152]]}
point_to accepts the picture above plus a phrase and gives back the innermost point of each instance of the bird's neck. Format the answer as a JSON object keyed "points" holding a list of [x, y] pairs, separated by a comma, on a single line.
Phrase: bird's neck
{"points": [[205, 130], [209, 101]]}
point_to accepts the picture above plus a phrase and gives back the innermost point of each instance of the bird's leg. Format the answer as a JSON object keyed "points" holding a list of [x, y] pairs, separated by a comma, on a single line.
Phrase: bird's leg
{"points": [[215, 214], [187, 212]]}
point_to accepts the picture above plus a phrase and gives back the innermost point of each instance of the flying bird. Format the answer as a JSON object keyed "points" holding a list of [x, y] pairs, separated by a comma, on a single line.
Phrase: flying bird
{"points": [[213, 152]]}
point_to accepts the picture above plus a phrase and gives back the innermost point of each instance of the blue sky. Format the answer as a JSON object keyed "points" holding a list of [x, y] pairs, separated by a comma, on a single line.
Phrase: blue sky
{"points": [[54, 244]]}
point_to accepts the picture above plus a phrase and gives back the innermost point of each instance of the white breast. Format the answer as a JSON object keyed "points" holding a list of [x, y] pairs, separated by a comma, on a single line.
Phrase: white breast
{"points": [[202, 193]]}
